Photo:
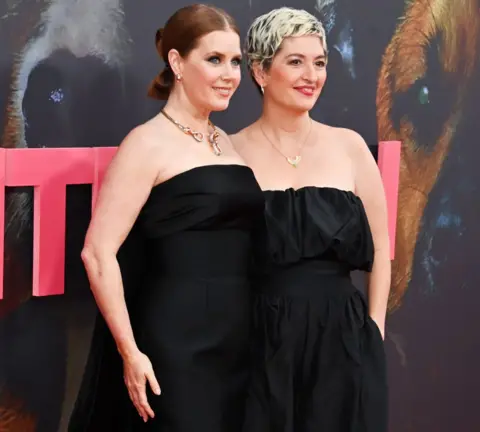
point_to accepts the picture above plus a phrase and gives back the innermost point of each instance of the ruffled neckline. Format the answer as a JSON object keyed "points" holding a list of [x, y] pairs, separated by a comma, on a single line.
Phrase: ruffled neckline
{"points": [[317, 222]]}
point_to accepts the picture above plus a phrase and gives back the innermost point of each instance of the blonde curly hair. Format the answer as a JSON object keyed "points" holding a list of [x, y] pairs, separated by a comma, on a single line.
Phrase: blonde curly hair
{"points": [[267, 32]]}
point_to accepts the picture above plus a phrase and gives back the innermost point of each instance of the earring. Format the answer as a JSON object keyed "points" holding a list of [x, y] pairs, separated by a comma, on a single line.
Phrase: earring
{"points": [[178, 77], [261, 89]]}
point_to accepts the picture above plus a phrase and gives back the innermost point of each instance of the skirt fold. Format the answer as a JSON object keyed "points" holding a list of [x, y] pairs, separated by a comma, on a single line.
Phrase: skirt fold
{"points": [[318, 359]]}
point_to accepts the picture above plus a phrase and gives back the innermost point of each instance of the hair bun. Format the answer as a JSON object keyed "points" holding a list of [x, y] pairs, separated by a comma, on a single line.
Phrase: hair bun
{"points": [[158, 40], [163, 82], [162, 85]]}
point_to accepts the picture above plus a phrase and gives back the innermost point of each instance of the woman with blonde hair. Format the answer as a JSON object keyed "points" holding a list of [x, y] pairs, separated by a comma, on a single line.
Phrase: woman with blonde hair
{"points": [[319, 361]]}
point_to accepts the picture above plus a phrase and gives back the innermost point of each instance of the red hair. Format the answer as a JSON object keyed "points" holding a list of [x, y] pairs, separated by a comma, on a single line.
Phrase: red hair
{"points": [[182, 32]]}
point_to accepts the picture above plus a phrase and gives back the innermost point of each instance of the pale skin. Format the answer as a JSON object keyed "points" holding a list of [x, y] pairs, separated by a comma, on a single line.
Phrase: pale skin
{"points": [[331, 157], [151, 154]]}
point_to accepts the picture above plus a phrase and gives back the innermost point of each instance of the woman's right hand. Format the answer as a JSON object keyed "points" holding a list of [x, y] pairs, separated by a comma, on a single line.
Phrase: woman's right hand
{"points": [[137, 370]]}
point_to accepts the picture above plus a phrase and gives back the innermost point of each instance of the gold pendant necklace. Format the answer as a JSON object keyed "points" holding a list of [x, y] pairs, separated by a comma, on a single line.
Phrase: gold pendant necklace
{"points": [[199, 136], [293, 161]]}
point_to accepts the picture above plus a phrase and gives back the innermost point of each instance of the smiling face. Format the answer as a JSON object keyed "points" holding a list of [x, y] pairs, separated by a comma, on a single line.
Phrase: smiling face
{"points": [[297, 73], [211, 72]]}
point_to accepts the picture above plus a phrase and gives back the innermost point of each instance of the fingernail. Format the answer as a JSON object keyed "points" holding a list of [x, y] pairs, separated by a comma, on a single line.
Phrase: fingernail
{"points": [[157, 391]]}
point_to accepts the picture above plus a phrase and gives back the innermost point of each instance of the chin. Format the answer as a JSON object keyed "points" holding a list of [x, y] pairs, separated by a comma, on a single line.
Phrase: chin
{"points": [[220, 106], [300, 107], [307, 107]]}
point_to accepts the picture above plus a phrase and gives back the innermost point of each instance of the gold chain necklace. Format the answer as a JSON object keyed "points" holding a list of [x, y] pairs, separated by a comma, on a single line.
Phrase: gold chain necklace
{"points": [[293, 161], [199, 136]]}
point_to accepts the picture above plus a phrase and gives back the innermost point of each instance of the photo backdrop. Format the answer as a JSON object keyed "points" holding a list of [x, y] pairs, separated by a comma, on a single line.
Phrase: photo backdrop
{"points": [[74, 73]]}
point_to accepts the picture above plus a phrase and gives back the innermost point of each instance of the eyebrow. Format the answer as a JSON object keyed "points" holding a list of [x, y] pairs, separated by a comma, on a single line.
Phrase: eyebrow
{"points": [[219, 54], [319, 57]]}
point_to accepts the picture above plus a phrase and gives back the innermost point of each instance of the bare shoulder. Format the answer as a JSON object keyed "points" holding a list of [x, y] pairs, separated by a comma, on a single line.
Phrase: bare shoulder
{"points": [[227, 143], [139, 154], [136, 147], [367, 175], [223, 135], [240, 139], [138, 140], [350, 138], [352, 142], [240, 135]]}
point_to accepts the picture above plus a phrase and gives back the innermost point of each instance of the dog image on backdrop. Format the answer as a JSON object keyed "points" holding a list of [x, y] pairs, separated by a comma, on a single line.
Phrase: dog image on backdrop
{"points": [[50, 104], [74, 73]]}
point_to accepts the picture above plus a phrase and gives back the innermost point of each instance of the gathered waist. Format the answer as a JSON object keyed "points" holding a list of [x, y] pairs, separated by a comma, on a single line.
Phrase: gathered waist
{"points": [[201, 253], [306, 278]]}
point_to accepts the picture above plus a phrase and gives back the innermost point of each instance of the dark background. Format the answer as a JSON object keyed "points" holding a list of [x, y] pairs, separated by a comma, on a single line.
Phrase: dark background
{"points": [[75, 74]]}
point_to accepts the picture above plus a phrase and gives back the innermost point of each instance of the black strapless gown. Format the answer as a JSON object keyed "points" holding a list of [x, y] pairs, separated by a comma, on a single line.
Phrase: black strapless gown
{"points": [[191, 313], [319, 360]]}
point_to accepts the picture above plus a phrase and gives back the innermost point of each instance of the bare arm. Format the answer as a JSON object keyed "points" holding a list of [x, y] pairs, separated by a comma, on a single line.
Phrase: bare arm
{"points": [[126, 187], [369, 187]]}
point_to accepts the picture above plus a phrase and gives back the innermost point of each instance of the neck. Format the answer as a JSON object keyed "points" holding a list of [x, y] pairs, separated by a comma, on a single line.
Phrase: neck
{"points": [[284, 124], [183, 111]]}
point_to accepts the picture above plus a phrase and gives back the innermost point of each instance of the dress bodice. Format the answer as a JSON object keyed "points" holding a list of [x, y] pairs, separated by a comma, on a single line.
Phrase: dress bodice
{"points": [[212, 197], [318, 223]]}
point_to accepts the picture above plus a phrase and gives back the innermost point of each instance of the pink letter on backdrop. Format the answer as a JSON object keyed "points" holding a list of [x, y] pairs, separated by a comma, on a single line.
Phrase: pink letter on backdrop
{"points": [[2, 217], [49, 171], [389, 165]]}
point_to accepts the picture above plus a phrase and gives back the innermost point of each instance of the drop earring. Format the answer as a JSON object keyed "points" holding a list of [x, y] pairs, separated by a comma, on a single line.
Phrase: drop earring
{"points": [[261, 89]]}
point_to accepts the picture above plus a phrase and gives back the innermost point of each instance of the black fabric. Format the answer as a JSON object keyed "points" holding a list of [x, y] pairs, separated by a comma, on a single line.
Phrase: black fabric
{"points": [[318, 358], [190, 312]]}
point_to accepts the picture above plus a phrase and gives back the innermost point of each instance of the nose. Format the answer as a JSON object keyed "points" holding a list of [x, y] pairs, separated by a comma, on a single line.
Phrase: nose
{"points": [[228, 72], [309, 74]]}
